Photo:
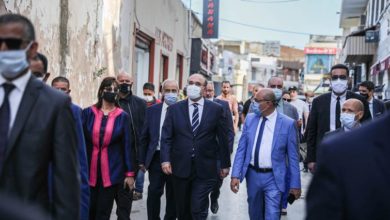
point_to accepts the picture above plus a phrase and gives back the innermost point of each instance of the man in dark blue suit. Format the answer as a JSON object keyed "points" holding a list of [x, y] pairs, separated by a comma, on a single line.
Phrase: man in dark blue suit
{"points": [[149, 154], [209, 94], [376, 107], [352, 177], [194, 137]]}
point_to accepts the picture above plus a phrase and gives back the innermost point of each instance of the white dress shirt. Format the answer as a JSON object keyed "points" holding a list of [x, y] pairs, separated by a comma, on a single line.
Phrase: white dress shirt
{"points": [[162, 119], [265, 153], [333, 103], [371, 107], [200, 108], [15, 96]]}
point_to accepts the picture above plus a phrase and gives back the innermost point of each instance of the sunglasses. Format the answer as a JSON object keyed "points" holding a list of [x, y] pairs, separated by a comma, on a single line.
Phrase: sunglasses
{"points": [[287, 100], [342, 77], [12, 43]]}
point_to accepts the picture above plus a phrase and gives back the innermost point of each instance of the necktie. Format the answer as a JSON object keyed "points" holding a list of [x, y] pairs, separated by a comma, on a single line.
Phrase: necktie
{"points": [[195, 118], [5, 117], [338, 123], [258, 142]]}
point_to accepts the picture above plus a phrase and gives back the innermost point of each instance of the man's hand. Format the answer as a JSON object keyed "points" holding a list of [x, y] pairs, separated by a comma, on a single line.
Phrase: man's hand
{"points": [[166, 167], [142, 168], [235, 184], [312, 167], [296, 193], [129, 182], [224, 172]]}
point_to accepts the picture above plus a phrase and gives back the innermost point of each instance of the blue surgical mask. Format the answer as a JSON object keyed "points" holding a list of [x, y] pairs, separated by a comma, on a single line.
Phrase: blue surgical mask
{"points": [[278, 93], [348, 120], [170, 98], [13, 62], [255, 108]]}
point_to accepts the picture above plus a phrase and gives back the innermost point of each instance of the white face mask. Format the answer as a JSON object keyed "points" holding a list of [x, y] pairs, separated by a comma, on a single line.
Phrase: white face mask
{"points": [[148, 98], [339, 86], [193, 92], [13, 62], [348, 120]]}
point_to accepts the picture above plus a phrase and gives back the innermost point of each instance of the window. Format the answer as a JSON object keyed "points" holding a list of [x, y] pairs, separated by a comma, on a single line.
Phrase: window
{"points": [[164, 62], [179, 69]]}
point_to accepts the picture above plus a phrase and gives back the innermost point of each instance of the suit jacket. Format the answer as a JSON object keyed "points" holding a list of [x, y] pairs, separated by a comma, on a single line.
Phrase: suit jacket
{"points": [[150, 134], [284, 147], [290, 111], [352, 177], [229, 122], [44, 132], [210, 143], [319, 121], [378, 107]]}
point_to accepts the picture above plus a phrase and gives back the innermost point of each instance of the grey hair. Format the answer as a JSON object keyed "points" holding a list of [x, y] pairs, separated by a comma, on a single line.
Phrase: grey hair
{"points": [[169, 81]]}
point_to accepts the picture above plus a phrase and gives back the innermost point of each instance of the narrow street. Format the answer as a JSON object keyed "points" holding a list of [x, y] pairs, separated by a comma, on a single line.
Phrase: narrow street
{"points": [[231, 206]]}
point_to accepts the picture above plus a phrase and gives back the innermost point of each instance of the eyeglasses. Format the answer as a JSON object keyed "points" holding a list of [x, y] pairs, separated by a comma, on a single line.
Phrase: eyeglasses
{"points": [[287, 100], [39, 74], [12, 43], [342, 77], [276, 86]]}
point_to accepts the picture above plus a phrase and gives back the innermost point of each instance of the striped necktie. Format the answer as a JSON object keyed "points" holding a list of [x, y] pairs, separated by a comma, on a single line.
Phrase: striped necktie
{"points": [[195, 118]]}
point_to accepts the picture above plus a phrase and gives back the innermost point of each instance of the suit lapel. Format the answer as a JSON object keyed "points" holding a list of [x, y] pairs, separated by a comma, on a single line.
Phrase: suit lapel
{"points": [[327, 105], [204, 115], [186, 112], [158, 116], [278, 127], [29, 98]]}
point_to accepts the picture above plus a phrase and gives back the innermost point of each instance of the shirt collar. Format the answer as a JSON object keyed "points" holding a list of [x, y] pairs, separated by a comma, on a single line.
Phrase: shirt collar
{"points": [[19, 83], [371, 101], [272, 116], [200, 102], [341, 97], [165, 106]]}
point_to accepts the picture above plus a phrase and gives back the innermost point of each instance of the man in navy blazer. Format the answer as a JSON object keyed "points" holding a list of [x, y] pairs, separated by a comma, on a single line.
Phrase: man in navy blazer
{"points": [[352, 177], [266, 151], [149, 154], [376, 107], [193, 139], [209, 94]]}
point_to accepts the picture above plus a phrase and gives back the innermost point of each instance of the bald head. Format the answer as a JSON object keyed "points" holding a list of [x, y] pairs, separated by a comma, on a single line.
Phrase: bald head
{"points": [[197, 79], [124, 77], [275, 82], [354, 106], [267, 101], [170, 85]]}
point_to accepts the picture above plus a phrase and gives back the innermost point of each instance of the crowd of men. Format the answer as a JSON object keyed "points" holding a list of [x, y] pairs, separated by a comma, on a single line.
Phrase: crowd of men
{"points": [[58, 161]]}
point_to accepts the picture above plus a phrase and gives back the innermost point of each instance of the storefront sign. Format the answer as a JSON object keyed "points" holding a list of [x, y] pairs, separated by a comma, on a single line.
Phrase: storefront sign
{"points": [[320, 50], [164, 40], [210, 19]]}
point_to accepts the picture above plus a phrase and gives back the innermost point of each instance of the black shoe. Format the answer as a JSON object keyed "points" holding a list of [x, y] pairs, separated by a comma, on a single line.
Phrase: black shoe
{"points": [[214, 206]]}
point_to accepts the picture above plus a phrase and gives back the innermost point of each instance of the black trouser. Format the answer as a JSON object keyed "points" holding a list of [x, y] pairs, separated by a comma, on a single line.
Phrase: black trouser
{"points": [[192, 196], [101, 201], [157, 181], [214, 195], [124, 201]]}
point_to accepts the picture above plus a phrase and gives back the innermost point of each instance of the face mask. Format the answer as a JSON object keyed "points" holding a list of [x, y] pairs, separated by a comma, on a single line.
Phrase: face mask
{"points": [[339, 86], [364, 95], [149, 98], [255, 108], [278, 93], [348, 120], [124, 88], [13, 62], [170, 98], [193, 92], [109, 97]]}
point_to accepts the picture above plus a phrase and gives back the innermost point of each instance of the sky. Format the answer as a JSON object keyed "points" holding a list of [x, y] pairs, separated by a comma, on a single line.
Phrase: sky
{"points": [[299, 18]]}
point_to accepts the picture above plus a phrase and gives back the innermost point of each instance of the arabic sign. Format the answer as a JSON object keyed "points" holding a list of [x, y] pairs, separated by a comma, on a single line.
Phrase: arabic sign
{"points": [[210, 19]]}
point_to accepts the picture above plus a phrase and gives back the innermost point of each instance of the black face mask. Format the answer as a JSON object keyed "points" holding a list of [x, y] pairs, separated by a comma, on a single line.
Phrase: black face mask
{"points": [[364, 95], [109, 97], [124, 88]]}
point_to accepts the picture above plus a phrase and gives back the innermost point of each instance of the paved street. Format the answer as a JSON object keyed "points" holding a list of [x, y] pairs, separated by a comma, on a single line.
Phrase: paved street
{"points": [[231, 206]]}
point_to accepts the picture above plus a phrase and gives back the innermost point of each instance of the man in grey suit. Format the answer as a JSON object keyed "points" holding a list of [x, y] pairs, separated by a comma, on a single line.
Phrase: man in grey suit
{"points": [[276, 84]]}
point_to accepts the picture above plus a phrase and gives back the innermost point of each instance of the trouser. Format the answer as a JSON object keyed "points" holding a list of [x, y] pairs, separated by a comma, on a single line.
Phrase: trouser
{"points": [[264, 197], [192, 195], [287, 190], [157, 181], [102, 200], [214, 195]]}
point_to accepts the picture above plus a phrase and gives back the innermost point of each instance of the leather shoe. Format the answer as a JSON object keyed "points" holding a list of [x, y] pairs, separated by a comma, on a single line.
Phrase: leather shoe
{"points": [[214, 206]]}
